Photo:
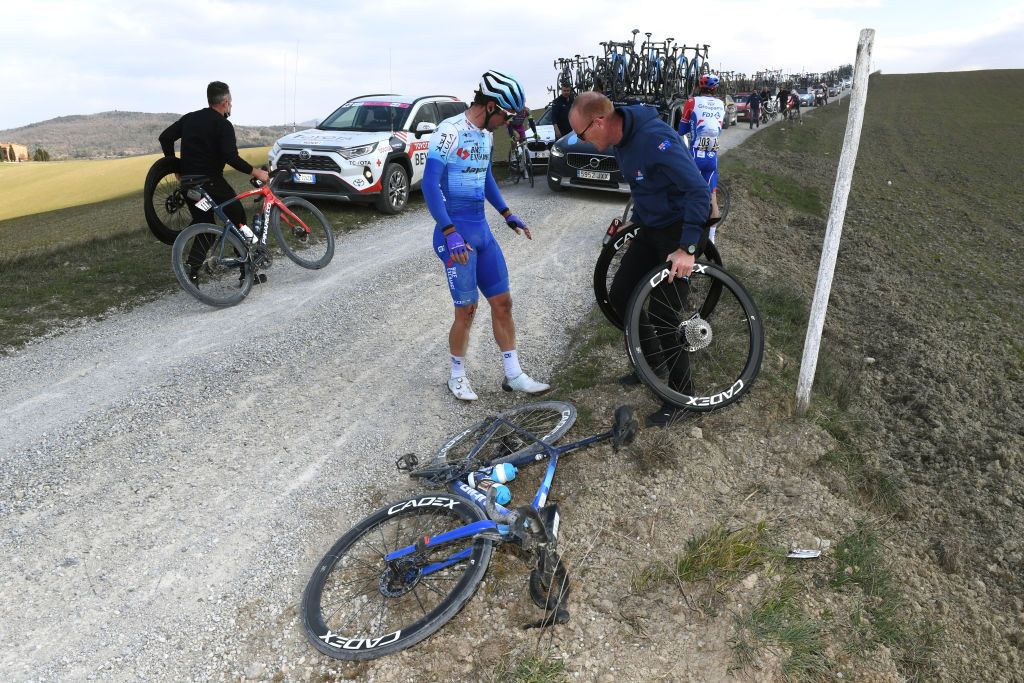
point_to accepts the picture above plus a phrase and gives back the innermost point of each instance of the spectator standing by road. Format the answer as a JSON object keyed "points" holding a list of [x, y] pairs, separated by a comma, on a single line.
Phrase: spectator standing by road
{"points": [[560, 111], [456, 180], [754, 109], [670, 204]]}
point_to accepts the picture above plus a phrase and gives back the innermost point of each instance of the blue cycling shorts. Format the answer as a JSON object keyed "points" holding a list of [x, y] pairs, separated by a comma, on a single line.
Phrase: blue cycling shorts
{"points": [[708, 167], [484, 271]]}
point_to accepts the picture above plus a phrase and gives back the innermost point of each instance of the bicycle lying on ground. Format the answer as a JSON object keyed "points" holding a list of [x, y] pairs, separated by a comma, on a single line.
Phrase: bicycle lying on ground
{"points": [[400, 574], [520, 165], [218, 265]]}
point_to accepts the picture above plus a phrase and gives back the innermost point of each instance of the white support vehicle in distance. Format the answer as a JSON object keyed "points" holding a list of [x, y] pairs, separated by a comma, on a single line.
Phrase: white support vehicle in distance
{"points": [[371, 149]]}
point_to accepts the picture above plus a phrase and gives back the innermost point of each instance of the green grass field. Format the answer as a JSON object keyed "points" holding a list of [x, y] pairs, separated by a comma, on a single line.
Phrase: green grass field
{"points": [[38, 187]]}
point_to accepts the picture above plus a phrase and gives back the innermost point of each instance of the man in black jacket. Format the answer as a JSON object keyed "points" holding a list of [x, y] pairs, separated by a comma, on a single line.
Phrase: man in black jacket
{"points": [[560, 111], [207, 144], [671, 203], [754, 109]]}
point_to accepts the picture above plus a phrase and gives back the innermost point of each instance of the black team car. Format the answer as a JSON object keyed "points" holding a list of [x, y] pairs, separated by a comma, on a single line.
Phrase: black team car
{"points": [[578, 164]]}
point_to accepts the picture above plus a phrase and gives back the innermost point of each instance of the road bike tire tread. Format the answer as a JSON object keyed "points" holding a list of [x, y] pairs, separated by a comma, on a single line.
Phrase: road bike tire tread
{"points": [[755, 352], [179, 265], [297, 258], [319, 633], [161, 168], [561, 413]]}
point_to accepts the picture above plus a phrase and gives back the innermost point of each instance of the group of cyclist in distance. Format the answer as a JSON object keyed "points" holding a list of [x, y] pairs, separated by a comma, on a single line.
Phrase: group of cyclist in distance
{"points": [[673, 189]]}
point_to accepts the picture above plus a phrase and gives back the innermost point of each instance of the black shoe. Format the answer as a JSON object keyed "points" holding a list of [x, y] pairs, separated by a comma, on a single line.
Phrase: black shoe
{"points": [[663, 416]]}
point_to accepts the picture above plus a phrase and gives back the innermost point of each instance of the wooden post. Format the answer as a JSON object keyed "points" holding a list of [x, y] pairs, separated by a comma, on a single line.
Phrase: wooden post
{"points": [[836, 214]]}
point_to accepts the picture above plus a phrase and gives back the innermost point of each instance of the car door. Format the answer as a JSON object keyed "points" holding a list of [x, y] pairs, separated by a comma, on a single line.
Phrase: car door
{"points": [[426, 112]]}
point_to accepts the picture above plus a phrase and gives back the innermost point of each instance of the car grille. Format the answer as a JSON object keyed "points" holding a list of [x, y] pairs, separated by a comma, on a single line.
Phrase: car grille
{"points": [[536, 146], [316, 162], [606, 163]]}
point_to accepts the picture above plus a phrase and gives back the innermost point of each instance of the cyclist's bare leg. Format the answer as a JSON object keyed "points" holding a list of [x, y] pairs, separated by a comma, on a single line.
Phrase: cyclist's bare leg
{"points": [[458, 335], [501, 321], [714, 204]]}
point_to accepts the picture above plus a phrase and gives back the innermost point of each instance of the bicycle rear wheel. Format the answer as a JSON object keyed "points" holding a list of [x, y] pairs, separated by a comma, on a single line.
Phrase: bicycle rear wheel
{"points": [[528, 165], [608, 264], [515, 173], [163, 202], [212, 265], [309, 240], [358, 606], [697, 342], [547, 420], [722, 190]]}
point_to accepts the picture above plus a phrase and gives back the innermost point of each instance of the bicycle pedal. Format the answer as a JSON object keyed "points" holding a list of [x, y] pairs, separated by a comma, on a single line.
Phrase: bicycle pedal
{"points": [[407, 462]]}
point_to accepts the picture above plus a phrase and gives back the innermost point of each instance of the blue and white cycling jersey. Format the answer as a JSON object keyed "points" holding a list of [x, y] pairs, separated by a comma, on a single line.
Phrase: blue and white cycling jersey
{"points": [[465, 152], [456, 181]]}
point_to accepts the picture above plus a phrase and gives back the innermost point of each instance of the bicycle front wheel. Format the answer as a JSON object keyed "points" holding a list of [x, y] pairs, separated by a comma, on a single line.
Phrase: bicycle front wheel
{"points": [[546, 420], [528, 165], [306, 237], [212, 265], [608, 265], [514, 171], [697, 342], [359, 606]]}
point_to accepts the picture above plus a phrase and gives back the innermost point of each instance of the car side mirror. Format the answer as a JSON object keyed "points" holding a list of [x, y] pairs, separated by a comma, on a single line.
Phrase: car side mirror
{"points": [[425, 128]]}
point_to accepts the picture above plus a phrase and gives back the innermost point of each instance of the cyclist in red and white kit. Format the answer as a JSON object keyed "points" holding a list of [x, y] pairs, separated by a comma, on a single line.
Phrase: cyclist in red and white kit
{"points": [[702, 121]]}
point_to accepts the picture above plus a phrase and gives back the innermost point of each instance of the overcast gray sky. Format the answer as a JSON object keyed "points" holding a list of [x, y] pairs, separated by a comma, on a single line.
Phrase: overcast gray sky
{"points": [[297, 61]]}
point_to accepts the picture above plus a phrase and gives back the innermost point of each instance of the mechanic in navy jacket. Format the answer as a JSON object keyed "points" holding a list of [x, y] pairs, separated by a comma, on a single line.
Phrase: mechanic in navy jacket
{"points": [[671, 203]]}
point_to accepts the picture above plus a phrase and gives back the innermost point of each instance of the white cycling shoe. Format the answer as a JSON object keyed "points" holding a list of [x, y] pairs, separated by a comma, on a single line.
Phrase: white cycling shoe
{"points": [[526, 384], [461, 389]]}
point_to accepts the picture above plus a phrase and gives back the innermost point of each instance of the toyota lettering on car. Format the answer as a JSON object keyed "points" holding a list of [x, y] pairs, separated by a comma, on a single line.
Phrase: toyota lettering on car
{"points": [[371, 149]]}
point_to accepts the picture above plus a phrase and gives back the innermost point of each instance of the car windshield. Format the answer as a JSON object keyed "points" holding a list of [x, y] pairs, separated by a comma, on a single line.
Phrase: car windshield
{"points": [[802, 91], [367, 117], [546, 118]]}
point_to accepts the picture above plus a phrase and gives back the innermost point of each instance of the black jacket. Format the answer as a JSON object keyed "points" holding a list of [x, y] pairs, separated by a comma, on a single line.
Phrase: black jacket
{"points": [[207, 143]]}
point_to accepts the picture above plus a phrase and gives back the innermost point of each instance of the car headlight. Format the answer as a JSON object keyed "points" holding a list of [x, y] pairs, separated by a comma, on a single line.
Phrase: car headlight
{"points": [[556, 151], [361, 150]]}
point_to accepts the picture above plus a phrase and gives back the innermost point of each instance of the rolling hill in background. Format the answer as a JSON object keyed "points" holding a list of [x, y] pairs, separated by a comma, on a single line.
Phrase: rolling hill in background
{"points": [[114, 134]]}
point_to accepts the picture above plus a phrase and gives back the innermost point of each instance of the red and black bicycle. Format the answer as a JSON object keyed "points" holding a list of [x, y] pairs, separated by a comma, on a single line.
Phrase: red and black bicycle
{"points": [[218, 265]]}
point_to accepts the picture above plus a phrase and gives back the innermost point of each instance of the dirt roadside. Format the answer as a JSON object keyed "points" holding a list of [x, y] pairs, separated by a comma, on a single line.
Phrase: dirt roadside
{"points": [[171, 476]]}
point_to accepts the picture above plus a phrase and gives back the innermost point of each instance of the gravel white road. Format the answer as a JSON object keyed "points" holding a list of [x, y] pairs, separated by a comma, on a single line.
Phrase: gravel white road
{"points": [[169, 476]]}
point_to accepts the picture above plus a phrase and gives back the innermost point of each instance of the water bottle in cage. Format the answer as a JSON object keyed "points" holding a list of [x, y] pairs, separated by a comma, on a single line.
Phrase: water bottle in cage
{"points": [[503, 473], [247, 233], [257, 224]]}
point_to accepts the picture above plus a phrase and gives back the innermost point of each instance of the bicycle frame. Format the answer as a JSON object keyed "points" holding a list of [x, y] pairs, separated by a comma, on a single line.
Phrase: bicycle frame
{"points": [[489, 526], [270, 200]]}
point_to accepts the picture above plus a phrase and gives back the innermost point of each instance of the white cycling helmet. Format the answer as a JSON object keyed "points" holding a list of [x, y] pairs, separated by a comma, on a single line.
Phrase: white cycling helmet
{"points": [[504, 89]]}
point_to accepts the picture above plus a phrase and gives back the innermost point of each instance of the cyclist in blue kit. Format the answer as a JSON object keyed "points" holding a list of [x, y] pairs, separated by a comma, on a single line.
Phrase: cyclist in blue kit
{"points": [[457, 179]]}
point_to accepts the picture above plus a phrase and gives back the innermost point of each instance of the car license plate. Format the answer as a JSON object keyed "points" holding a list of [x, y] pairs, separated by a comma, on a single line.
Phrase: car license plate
{"points": [[594, 175], [307, 178], [540, 155]]}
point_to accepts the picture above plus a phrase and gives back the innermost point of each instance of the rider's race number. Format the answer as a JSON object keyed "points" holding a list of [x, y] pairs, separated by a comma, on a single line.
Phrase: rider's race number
{"points": [[204, 204], [707, 144]]}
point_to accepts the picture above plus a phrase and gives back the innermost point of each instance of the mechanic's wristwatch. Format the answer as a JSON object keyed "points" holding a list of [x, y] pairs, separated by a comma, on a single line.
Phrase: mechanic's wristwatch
{"points": [[691, 249]]}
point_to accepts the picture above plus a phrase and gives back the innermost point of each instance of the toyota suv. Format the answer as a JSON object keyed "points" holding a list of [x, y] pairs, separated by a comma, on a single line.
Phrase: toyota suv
{"points": [[371, 149]]}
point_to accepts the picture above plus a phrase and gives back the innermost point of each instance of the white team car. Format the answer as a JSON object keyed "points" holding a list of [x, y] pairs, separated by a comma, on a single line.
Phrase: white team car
{"points": [[372, 149]]}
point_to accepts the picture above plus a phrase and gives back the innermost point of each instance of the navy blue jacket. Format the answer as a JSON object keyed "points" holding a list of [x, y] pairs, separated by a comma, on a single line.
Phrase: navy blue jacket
{"points": [[666, 185]]}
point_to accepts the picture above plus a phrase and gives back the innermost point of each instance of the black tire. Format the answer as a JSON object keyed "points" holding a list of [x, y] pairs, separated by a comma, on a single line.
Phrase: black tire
{"points": [[394, 189], [515, 173], [163, 202], [311, 249], [528, 166], [356, 606], [547, 420], [202, 271], [696, 342], [554, 186], [608, 264], [722, 190]]}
